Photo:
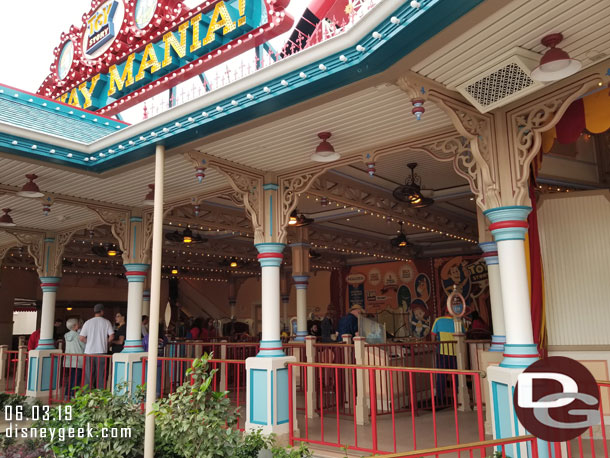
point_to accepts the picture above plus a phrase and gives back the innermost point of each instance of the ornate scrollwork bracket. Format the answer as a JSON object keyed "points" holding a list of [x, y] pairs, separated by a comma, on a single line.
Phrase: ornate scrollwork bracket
{"points": [[118, 220], [34, 242]]}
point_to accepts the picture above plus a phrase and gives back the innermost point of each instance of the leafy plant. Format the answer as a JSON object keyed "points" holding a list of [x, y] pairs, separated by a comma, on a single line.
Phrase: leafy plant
{"points": [[9, 448], [252, 443], [196, 422], [97, 412], [301, 452], [18, 400]]}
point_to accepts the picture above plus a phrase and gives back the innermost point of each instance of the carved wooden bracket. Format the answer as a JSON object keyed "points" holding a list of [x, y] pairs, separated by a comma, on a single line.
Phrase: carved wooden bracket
{"points": [[34, 241], [118, 220]]}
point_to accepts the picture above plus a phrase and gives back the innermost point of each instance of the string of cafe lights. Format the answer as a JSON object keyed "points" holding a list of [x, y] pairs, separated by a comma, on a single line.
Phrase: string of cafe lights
{"points": [[360, 252], [389, 218], [210, 229], [219, 280], [551, 188]]}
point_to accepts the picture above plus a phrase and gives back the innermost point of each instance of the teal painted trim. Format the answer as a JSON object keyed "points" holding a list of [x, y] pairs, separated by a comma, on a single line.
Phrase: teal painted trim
{"points": [[120, 376], [283, 388], [271, 214], [416, 26], [509, 233], [497, 343], [510, 213], [270, 187], [135, 219], [307, 245], [46, 344], [49, 240], [45, 374], [502, 415], [270, 262], [135, 238], [272, 397], [519, 362], [136, 376], [515, 422], [33, 373], [270, 247], [133, 346], [258, 396]]}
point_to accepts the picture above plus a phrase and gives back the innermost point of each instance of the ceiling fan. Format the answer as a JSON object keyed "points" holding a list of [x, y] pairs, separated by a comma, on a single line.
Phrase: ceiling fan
{"points": [[411, 191], [186, 236], [106, 250], [400, 241], [297, 220]]}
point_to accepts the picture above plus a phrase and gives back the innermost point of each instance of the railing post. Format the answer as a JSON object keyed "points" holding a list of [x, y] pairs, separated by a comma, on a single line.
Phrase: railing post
{"points": [[348, 358], [461, 354], [311, 385], [60, 345], [197, 349], [3, 360], [223, 366], [20, 375], [361, 414], [21, 341], [373, 395]]}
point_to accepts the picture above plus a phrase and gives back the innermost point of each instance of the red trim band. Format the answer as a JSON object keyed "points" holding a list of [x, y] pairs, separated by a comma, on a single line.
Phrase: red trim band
{"points": [[489, 254], [49, 284], [274, 348], [507, 225], [270, 255], [521, 356], [135, 273]]}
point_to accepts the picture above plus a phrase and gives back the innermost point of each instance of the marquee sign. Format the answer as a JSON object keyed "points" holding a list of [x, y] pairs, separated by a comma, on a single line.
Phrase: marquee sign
{"points": [[126, 51]]}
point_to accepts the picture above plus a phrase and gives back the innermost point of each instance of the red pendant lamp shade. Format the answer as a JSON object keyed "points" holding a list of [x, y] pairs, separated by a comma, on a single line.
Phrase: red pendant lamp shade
{"points": [[30, 189], [556, 63], [6, 220], [325, 151]]}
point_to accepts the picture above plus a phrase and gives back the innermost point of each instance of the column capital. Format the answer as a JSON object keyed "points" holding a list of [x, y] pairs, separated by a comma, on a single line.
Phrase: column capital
{"points": [[270, 254], [136, 272], [49, 284], [301, 281], [490, 253], [508, 223]]}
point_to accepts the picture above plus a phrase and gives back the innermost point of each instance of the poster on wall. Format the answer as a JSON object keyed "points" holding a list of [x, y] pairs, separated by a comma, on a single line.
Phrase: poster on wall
{"points": [[397, 294], [469, 275]]}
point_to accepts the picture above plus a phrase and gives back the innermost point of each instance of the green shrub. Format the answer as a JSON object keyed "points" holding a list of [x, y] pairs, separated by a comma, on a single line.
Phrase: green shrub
{"points": [[97, 409], [196, 422]]}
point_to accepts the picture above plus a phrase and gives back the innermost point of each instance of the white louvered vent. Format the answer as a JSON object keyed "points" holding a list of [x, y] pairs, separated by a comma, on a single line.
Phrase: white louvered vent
{"points": [[503, 83]]}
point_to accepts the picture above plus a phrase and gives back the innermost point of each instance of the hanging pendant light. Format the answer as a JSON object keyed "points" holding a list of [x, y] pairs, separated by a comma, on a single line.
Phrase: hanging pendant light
{"points": [[293, 218], [6, 220], [233, 263], [112, 251], [149, 200], [174, 271], [325, 151], [556, 63], [401, 240], [410, 192], [30, 189], [187, 235]]}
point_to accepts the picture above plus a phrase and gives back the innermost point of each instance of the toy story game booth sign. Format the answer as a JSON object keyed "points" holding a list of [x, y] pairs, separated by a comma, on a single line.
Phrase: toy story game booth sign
{"points": [[468, 274], [125, 52], [399, 294]]}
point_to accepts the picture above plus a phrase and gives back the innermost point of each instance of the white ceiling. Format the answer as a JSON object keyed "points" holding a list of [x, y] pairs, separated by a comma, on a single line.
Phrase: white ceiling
{"points": [[585, 25], [360, 121]]}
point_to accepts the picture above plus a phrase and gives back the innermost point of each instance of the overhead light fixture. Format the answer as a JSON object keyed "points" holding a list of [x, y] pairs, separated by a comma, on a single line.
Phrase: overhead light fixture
{"points": [[68, 308], [112, 251], [293, 218], [174, 271], [410, 192], [303, 220], [325, 151], [401, 240], [150, 197], [556, 63], [233, 262], [30, 189], [187, 235], [6, 220]]}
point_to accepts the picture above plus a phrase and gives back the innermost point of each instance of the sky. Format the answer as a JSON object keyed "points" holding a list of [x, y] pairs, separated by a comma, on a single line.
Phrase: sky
{"points": [[30, 30]]}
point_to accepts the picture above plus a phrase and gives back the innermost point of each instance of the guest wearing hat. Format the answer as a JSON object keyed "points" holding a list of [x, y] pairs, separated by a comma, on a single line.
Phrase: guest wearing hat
{"points": [[97, 333], [348, 324]]}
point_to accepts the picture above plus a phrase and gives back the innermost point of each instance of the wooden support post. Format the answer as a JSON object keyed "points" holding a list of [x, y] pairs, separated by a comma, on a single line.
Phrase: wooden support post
{"points": [[223, 367], [20, 375], [310, 374], [198, 349], [461, 353], [362, 417], [3, 364]]}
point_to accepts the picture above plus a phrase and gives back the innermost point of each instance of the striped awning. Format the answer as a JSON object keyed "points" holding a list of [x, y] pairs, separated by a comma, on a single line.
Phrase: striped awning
{"points": [[589, 114]]}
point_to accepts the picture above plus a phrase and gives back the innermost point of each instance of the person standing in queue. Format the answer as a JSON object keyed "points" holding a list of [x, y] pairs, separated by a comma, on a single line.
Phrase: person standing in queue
{"points": [[97, 333], [348, 324]]}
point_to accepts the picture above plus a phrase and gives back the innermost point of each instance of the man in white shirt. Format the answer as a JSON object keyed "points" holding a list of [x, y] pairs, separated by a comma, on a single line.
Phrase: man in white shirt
{"points": [[96, 333]]}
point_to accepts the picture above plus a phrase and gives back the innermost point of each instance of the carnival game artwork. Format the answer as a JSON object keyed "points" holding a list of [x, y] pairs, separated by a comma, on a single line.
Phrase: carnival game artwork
{"points": [[403, 298], [419, 319]]}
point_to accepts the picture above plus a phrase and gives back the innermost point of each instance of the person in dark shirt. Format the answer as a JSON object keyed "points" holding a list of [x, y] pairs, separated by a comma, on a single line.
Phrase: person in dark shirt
{"points": [[348, 324], [326, 329], [120, 333]]}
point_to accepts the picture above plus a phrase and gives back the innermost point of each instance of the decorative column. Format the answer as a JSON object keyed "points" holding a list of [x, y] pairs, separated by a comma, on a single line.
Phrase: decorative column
{"points": [[146, 302], [490, 254], [49, 287], [509, 226], [300, 275], [127, 364], [285, 297], [136, 276]]}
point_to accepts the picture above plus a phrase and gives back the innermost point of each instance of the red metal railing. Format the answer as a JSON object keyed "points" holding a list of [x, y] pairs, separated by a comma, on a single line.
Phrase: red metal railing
{"points": [[69, 371], [481, 448], [230, 376], [412, 354], [194, 349], [10, 375], [340, 399]]}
